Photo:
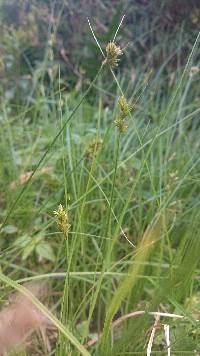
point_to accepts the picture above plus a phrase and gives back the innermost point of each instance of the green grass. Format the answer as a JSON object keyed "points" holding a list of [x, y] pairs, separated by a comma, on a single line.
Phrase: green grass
{"points": [[137, 188]]}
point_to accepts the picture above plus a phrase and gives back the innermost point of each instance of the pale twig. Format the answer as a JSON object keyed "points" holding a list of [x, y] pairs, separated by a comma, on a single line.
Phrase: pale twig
{"points": [[153, 331], [166, 331], [168, 315], [118, 321]]}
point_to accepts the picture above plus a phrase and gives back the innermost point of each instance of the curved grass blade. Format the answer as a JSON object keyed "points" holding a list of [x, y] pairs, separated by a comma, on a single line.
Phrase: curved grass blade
{"points": [[142, 252], [46, 312]]}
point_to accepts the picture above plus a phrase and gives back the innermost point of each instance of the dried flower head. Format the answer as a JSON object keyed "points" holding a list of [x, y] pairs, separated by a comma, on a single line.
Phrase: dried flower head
{"points": [[173, 178], [194, 70], [93, 147], [195, 15], [112, 54], [62, 219]]}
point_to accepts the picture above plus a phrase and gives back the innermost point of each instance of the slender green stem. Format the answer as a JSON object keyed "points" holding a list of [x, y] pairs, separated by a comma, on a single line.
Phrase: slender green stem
{"points": [[108, 224], [62, 343]]}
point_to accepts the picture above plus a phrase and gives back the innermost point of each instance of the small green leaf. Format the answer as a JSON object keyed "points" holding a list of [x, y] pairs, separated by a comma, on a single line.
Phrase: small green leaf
{"points": [[22, 241], [43, 249], [28, 250], [10, 229], [136, 163], [83, 328]]}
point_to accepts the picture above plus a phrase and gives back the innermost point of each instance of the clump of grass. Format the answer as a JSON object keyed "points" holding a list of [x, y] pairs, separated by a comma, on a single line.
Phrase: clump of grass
{"points": [[127, 243]]}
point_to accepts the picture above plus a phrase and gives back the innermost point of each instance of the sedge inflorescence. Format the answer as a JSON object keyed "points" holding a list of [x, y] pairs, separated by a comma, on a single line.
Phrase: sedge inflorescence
{"points": [[62, 219], [93, 148], [124, 110], [113, 52]]}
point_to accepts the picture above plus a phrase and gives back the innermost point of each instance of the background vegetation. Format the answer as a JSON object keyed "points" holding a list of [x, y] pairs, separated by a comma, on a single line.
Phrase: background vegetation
{"points": [[132, 199]]}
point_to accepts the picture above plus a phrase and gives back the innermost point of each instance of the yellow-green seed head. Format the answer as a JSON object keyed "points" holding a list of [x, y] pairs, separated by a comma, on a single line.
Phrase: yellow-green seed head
{"points": [[121, 125], [62, 219], [123, 106], [93, 147], [112, 54]]}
